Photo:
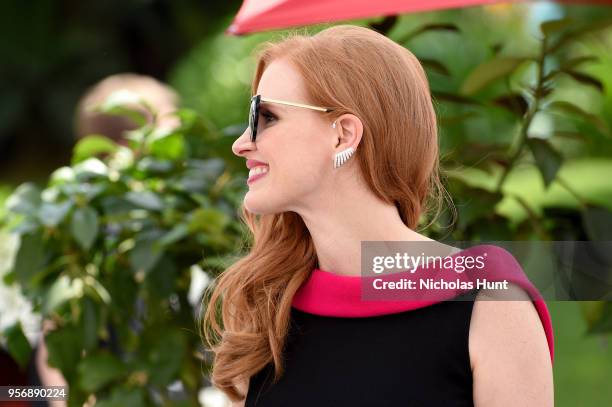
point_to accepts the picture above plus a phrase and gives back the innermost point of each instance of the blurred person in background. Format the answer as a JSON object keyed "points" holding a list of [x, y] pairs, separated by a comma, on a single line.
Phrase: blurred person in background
{"points": [[158, 95]]}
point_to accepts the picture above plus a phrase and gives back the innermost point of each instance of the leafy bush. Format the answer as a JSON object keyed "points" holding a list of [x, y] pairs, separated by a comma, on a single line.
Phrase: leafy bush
{"points": [[108, 250], [497, 186]]}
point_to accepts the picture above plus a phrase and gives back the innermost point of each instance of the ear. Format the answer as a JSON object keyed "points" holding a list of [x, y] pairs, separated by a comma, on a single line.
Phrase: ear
{"points": [[349, 131]]}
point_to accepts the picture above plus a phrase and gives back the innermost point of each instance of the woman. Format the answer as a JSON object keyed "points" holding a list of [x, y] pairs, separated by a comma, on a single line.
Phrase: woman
{"points": [[342, 148]]}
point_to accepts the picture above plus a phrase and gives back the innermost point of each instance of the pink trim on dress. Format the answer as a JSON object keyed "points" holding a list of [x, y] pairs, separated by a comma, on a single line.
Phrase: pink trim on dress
{"points": [[329, 294]]}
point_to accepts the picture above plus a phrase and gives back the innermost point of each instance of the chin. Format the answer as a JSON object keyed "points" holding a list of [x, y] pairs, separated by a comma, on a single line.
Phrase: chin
{"points": [[258, 205]]}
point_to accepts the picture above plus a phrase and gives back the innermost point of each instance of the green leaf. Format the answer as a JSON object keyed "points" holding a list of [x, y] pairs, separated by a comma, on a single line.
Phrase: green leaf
{"points": [[586, 79], [455, 98], [575, 62], [89, 191], [62, 175], [64, 345], [548, 160], [162, 365], [428, 28], [590, 27], [171, 147], [569, 108], [554, 26], [51, 194], [208, 220], [122, 160], [9, 278], [177, 233], [514, 102], [98, 370], [30, 257], [17, 344], [200, 174], [90, 168], [137, 136], [211, 169], [145, 254], [145, 199], [572, 135], [161, 279], [121, 397], [91, 146], [89, 322], [25, 199], [154, 166], [62, 290], [435, 66], [52, 214], [222, 147], [84, 226], [98, 289], [122, 289], [490, 71]]}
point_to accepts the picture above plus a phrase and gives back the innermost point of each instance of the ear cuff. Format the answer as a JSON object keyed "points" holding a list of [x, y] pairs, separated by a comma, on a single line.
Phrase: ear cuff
{"points": [[341, 157]]}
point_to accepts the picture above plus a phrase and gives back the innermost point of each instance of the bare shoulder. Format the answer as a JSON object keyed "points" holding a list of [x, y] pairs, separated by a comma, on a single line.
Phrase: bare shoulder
{"points": [[508, 350]]}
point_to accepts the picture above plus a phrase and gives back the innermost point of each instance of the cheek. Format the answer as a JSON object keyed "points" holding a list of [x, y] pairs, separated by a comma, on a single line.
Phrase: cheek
{"points": [[301, 163], [307, 175]]}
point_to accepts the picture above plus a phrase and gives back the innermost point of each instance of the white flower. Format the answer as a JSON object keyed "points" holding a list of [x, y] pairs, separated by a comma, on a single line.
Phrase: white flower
{"points": [[15, 307], [213, 397], [199, 281]]}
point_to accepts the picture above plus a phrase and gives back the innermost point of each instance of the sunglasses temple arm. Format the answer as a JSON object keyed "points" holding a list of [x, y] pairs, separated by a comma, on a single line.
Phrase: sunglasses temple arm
{"points": [[322, 109]]}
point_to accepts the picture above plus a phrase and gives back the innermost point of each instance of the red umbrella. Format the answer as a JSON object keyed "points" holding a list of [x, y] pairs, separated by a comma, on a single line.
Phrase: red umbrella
{"points": [[262, 15]]}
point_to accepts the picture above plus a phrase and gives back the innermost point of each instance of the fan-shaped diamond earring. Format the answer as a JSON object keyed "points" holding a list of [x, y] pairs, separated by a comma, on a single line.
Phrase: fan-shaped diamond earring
{"points": [[341, 157]]}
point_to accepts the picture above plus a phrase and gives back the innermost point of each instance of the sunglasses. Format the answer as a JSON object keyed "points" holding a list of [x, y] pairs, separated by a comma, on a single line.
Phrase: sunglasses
{"points": [[254, 111]]}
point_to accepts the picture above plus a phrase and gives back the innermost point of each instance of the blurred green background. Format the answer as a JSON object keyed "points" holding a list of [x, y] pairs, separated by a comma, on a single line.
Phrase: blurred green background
{"points": [[54, 51]]}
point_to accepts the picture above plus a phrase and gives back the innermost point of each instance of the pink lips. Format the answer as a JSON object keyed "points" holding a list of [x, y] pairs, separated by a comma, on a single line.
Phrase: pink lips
{"points": [[251, 164], [256, 177], [254, 163]]}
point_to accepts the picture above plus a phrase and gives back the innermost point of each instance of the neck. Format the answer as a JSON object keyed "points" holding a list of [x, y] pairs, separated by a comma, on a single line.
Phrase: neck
{"points": [[339, 223]]}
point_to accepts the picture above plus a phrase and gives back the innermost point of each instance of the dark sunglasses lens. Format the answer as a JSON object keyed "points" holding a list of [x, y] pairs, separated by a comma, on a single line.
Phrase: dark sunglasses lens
{"points": [[251, 111], [253, 116]]}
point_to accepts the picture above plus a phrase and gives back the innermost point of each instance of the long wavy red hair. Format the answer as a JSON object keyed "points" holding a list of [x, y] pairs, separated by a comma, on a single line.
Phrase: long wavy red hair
{"points": [[354, 70]]}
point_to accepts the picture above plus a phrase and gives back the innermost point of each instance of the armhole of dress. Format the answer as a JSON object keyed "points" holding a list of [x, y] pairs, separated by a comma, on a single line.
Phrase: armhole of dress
{"points": [[472, 295]]}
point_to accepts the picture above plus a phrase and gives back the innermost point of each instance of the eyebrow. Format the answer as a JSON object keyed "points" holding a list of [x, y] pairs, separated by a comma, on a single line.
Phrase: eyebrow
{"points": [[271, 107]]}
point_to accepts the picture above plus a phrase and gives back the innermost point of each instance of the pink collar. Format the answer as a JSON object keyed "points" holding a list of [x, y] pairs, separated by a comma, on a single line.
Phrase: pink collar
{"points": [[334, 295]]}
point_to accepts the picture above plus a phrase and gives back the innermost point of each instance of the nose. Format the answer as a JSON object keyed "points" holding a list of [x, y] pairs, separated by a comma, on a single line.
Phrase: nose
{"points": [[243, 143]]}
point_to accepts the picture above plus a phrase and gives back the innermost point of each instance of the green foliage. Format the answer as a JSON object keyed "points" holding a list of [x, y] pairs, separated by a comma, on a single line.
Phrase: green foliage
{"points": [[489, 72], [518, 100], [106, 249], [547, 159], [17, 344]]}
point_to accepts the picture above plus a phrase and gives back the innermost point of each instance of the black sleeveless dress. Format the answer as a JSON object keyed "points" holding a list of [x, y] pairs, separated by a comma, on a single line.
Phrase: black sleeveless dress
{"points": [[413, 358], [344, 351]]}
